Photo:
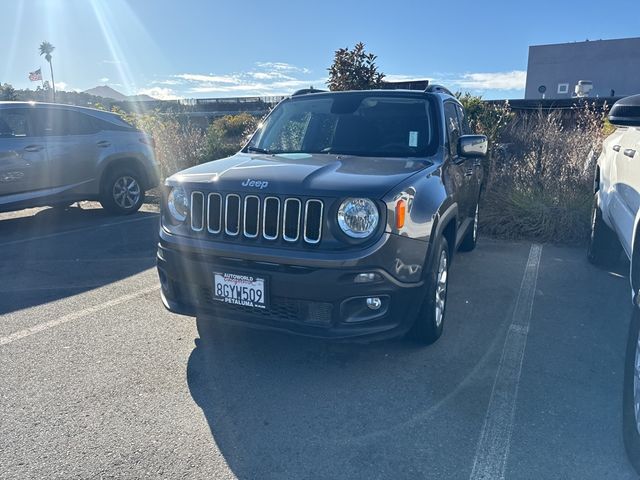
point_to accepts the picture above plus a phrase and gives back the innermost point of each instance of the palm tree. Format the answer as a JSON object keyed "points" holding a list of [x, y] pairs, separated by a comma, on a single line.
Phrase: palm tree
{"points": [[46, 49]]}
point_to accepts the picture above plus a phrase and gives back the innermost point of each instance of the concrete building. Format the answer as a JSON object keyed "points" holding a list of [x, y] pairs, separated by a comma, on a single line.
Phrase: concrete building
{"points": [[613, 67]]}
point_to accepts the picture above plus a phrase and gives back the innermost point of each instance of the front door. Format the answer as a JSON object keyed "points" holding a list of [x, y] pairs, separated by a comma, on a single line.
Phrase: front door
{"points": [[456, 165]]}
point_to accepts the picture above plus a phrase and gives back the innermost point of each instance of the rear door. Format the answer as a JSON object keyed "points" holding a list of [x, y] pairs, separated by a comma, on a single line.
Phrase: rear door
{"points": [[72, 144], [23, 159]]}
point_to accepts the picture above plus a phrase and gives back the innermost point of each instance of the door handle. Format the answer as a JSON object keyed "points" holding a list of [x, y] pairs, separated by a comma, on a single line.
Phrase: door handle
{"points": [[630, 152], [104, 144], [33, 148], [616, 148]]}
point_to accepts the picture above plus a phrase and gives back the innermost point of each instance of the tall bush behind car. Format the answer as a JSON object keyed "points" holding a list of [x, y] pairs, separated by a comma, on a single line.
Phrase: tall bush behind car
{"points": [[178, 145], [226, 135], [541, 176]]}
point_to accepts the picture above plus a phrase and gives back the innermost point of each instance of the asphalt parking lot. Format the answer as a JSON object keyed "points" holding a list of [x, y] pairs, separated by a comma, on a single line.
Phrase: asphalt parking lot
{"points": [[99, 381]]}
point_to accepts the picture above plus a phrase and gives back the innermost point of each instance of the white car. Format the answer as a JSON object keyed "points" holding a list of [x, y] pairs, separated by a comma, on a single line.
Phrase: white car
{"points": [[615, 225]]}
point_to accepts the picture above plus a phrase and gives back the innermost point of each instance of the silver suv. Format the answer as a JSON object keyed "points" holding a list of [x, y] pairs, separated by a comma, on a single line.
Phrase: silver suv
{"points": [[55, 155]]}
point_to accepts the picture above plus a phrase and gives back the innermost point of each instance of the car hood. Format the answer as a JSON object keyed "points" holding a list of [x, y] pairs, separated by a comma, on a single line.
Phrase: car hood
{"points": [[302, 174]]}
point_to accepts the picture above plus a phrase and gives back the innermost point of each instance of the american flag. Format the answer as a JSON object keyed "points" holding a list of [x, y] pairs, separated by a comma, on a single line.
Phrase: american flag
{"points": [[36, 76]]}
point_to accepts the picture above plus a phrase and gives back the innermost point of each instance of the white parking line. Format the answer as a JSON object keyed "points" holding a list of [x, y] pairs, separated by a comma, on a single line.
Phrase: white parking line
{"points": [[495, 438], [74, 316], [82, 229]]}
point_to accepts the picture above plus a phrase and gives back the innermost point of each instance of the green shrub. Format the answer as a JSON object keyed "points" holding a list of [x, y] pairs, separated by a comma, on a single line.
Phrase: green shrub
{"points": [[226, 135], [178, 145]]}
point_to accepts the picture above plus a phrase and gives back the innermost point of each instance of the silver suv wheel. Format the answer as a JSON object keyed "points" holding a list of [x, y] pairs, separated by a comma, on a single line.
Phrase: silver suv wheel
{"points": [[126, 192]]}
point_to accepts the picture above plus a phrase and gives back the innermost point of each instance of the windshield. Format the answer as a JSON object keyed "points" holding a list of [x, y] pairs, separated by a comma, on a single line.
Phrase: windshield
{"points": [[353, 124]]}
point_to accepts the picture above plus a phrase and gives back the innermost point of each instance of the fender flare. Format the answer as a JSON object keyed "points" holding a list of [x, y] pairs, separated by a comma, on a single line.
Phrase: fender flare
{"points": [[441, 219]]}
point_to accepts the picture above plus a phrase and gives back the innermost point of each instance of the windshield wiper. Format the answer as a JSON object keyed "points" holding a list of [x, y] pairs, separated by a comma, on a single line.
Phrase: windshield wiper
{"points": [[258, 150]]}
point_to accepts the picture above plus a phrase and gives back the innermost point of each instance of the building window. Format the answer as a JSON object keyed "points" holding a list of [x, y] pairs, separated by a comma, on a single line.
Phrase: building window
{"points": [[563, 88]]}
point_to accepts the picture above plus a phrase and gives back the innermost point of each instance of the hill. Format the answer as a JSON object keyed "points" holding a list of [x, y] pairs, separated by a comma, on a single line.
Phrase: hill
{"points": [[106, 91]]}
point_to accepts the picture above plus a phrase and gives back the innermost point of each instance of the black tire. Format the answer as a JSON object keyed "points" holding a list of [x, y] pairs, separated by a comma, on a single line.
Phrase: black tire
{"points": [[430, 319], [630, 423], [604, 246], [471, 237], [112, 195]]}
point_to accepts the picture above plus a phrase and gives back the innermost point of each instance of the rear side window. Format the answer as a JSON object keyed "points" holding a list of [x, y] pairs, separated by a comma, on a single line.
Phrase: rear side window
{"points": [[112, 123], [58, 122], [14, 123]]}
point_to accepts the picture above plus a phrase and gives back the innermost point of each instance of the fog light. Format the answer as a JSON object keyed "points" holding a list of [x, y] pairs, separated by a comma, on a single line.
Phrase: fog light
{"points": [[374, 303], [366, 277]]}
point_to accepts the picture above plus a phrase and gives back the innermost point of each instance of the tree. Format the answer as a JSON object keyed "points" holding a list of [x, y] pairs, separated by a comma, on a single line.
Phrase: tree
{"points": [[7, 92], [46, 49], [485, 118], [354, 70]]}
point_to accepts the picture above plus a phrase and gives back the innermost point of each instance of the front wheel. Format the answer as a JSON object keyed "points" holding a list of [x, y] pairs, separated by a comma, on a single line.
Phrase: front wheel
{"points": [[604, 247], [430, 320], [122, 192]]}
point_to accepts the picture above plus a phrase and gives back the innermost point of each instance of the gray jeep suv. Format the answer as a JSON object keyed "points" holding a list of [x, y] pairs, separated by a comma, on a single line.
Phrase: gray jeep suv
{"points": [[338, 219], [58, 154]]}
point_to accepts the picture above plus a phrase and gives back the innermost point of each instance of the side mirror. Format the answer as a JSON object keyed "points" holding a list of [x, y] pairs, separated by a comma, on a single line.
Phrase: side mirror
{"points": [[626, 112], [473, 146]]}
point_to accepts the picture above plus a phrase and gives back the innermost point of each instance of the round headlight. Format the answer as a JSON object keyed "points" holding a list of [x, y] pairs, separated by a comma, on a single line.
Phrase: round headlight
{"points": [[178, 204], [358, 217]]}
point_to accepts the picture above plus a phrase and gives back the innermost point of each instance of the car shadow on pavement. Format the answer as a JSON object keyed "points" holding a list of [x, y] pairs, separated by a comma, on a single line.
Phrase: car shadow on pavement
{"points": [[51, 254], [282, 406]]}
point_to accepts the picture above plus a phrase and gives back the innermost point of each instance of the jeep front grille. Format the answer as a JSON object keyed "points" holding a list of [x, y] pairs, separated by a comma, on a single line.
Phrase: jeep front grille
{"points": [[271, 218]]}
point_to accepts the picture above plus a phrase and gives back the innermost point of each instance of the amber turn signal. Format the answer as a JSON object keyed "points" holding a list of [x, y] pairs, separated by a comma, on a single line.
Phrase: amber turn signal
{"points": [[401, 210]]}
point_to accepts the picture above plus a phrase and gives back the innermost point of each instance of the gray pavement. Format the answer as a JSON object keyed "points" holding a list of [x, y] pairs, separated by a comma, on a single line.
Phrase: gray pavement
{"points": [[97, 380]]}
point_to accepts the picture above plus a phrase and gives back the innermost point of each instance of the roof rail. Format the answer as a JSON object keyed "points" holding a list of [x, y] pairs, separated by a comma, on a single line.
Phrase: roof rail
{"points": [[438, 89], [305, 91]]}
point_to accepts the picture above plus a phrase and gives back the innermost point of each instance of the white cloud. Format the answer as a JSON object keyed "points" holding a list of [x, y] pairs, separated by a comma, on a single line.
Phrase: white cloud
{"points": [[104, 80], [265, 78], [194, 77], [514, 80], [282, 67], [167, 82], [270, 75], [160, 93], [62, 86]]}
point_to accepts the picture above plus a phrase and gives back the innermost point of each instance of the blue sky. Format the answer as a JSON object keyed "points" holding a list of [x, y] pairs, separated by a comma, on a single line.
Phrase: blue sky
{"points": [[206, 48]]}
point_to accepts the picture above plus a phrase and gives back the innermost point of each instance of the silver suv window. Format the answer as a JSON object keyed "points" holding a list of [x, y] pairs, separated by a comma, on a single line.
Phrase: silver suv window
{"points": [[14, 123], [59, 122]]}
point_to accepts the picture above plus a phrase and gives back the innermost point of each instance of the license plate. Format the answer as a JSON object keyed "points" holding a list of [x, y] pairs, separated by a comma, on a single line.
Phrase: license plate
{"points": [[238, 289]]}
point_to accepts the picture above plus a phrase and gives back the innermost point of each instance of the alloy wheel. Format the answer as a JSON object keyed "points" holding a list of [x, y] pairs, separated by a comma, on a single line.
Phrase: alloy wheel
{"points": [[126, 192], [441, 288]]}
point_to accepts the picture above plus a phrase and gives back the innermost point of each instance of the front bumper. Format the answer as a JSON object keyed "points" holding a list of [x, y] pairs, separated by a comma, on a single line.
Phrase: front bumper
{"points": [[307, 297]]}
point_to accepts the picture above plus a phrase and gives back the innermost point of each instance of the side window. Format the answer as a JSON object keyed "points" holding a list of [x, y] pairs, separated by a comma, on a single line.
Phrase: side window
{"points": [[453, 127], [14, 123], [58, 122], [464, 121]]}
